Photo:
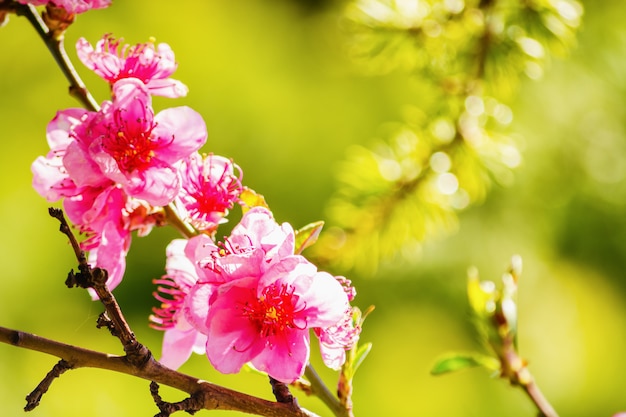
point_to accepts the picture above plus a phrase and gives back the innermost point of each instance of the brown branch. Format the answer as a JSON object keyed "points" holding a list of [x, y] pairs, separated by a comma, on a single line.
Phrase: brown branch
{"points": [[32, 399], [210, 396], [54, 42], [96, 278], [281, 392], [139, 361], [190, 404]]}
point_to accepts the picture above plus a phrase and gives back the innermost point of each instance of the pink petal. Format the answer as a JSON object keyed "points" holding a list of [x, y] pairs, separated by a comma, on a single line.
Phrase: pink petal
{"points": [[131, 96], [111, 254], [286, 357], [58, 131], [81, 168], [178, 265], [158, 185], [181, 131], [178, 346], [167, 88], [51, 180], [233, 339], [197, 304]]}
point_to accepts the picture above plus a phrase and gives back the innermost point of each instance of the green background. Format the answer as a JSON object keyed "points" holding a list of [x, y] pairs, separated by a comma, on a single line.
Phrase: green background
{"points": [[280, 96]]}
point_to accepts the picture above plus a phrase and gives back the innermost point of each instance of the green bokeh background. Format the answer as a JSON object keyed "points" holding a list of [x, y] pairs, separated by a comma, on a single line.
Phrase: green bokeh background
{"points": [[280, 97]]}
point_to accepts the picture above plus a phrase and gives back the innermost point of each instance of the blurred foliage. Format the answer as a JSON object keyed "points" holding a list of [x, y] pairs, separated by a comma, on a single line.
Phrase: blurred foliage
{"points": [[283, 100], [465, 59]]}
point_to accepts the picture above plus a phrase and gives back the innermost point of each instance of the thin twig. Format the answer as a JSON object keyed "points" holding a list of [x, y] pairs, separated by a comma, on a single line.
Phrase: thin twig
{"points": [[541, 402], [190, 404], [175, 221], [96, 278], [515, 369], [320, 389], [55, 45], [32, 399]]}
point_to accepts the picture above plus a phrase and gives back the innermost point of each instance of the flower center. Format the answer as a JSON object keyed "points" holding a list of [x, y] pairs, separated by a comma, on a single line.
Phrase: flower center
{"points": [[130, 144], [209, 194], [274, 311]]}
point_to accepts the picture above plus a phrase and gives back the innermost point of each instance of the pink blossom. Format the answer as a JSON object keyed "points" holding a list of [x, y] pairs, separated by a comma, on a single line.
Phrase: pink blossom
{"points": [[71, 6], [109, 252], [96, 210], [180, 338], [257, 237], [265, 317], [113, 62], [123, 144], [211, 185], [115, 168], [336, 339], [132, 147], [258, 229], [50, 178], [99, 214]]}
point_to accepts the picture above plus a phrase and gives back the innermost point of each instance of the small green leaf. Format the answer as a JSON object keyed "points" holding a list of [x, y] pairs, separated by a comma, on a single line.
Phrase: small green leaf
{"points": [[458, 361], [360, 356], [307, 235]]}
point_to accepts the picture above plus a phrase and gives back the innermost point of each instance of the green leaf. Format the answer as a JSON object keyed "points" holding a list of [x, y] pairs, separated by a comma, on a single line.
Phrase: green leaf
{"points": [[458, 361], [360, 356], [307, 235]]}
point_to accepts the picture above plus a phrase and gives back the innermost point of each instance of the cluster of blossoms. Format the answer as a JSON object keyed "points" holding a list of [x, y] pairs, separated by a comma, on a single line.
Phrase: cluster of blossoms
{"points": [[122, 168], [117, 167], [251, 299]]}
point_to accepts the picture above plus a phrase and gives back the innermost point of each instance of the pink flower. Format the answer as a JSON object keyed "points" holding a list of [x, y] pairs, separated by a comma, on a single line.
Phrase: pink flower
{"points": [[50, 178], [104, 163], [210, 188], [258, 229], [113, 62], [256, 237], [128, 145], [336, 339], [71, 6], [180, 338], [252, 300], [99, 214], [265, 317]]}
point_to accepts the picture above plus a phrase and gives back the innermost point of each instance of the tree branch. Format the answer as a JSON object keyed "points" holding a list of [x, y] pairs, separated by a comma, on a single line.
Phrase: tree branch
{"points": [[32, 399], [210, 396], [54, 42], [96, 279]]}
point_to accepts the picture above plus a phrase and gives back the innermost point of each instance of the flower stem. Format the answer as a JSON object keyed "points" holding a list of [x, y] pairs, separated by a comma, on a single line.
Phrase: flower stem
{"points": [[319, 389], [515, 369], [56, 48], [545, 408], [177, 223]]}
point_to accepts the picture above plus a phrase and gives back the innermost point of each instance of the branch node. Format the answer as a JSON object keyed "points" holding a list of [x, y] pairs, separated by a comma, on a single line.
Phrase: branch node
{"points": [[282, 394], [32, 399], [189, 405]]}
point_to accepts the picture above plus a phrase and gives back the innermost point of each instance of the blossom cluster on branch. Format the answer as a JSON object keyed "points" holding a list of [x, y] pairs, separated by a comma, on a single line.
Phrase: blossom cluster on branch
{"points": [[120, 167]]}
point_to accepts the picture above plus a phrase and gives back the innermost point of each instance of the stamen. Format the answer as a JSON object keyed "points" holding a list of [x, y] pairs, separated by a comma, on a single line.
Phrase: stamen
{"points": [[274, 311]]}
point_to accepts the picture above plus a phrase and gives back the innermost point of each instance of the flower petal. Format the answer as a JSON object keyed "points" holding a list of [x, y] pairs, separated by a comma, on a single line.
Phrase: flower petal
{"points": [[233, 339], [178, 345], [286, 356], [180, 132]]}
